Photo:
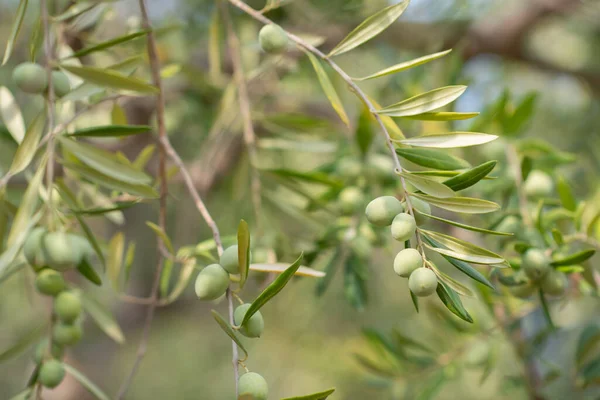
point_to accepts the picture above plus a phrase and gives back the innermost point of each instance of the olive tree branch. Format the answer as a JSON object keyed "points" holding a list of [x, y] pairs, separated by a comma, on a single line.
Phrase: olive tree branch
{"points": [[353, 87], [233, 43], [162, 218]]}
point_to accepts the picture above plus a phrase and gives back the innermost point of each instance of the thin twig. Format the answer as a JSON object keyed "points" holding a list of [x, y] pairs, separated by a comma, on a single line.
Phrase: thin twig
{"points": [[162, 219], [354, 88], [513, 161], [244, 104]]}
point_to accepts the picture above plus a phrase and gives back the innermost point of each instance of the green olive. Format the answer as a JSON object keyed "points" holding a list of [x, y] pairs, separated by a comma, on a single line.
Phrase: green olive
{"points": [[351, 199], [67, 334], [50, 282], [30, 78], [272, 39], [255, 325], [382, 210], [403, 227], [252, 386], [51, 374], [60, 83], [67, 307], [212, 282], [422, 282], [83, 245], [361, 246], [554, 283], [422, 207], [32, 248], [407, 261], [60, 251], [229, 260], [348, 168], [538, 184], [41, 349], [535, 264], [510, 224], [380, 167]]}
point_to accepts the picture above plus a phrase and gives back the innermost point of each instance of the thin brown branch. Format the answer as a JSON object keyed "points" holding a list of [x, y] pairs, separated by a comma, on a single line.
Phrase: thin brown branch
{"points": [[244, 104], [353, 87], [162, 219]]}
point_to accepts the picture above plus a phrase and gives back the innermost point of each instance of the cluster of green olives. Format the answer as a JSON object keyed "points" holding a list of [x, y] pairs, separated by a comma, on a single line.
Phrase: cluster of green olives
{"points": [[32, 78], [408, 263], [51, 254], [212, 283], [273, 39], [536, 272]]}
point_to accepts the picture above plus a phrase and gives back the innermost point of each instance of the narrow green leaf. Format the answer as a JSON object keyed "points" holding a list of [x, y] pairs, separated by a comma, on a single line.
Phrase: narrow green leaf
{"points": [[576, 258], [588, 340], [214, 46], [86, 383], [118, 116], [144, 156], [428, 185], [523, 112], [278, 268], [111, 131], [444, 116], [11, 269], [449, 140], [24, 395], [75, 10], [14, 32], [526, 167], [590, 373], [114, 262], [99, 211], [424, 102], [466, 205], [415, 301], [110, 79], [109, 43], [462, 266], [28, 147], [376, 368], [228, 330], [566, 194], [104, 319], [452, 302], [315, 396], [558, 237], [108, 182], [393, 129], [27, 207], [464, 226], [270, 291], [105, 162], [470, 177], [433, 159], [311, 177], [185, 275], [23, 343], [88, 272], [451, 282], [128, 263], [243, 239], [370, 28], [462, 250], [163, 235], [403, 66], [11, 115], [364, 131], [328, 88]]}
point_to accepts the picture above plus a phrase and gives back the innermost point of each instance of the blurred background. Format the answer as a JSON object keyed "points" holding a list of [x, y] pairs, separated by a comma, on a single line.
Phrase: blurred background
{"points": [[547, 47]]}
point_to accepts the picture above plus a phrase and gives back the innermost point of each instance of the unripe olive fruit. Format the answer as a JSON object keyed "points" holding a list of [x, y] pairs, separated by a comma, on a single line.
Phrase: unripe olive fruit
{"points": [[403, 227], [510, 224], [211, 282], [252, 386], [535, 264], [60, 83], [67, 307], [30, 78], [67, 334], [407, 261], [554, 283], [368, 233], [538, 184], [351, 199], [348, 167], [380, 166], [41, 349], [50, 282], [32, 247], [361, 246], [422, 282], [229, 260], [421, 206], [255, 325], [382, 210], [60, 251], [51, 374], [272, 39], [84, 247], [522, 291]]}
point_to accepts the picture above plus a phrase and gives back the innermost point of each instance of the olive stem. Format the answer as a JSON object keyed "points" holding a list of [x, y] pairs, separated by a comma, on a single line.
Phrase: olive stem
{"points": [[513, 161], [233, 44], [546, 310], [353, 87]]}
